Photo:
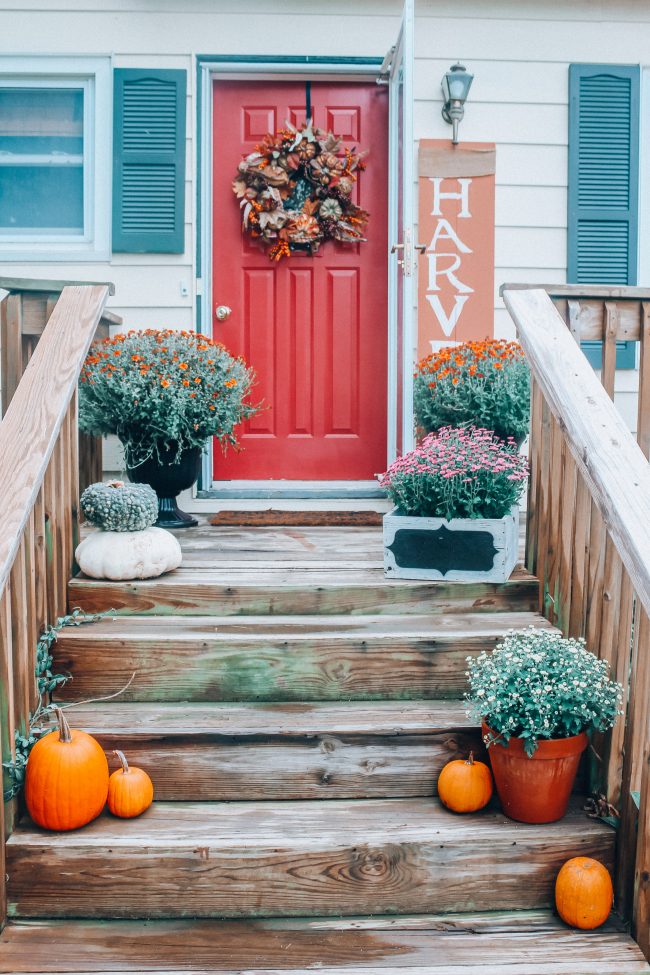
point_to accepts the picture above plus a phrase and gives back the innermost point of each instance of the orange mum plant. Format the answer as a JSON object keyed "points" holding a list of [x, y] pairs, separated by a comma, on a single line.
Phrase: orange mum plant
{"points": [[161, 389], [482, 383]]}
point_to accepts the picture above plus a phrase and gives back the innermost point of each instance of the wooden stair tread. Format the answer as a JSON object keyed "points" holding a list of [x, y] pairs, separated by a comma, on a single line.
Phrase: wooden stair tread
{"points": [[239, 720], [285, 751], [179, 629], [279, 658], [239, 587], [512, 943], [337, 857], [258, 824]]}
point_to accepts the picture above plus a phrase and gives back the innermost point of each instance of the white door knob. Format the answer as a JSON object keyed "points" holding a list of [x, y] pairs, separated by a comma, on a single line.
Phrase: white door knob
{"points": [[223, 312]]}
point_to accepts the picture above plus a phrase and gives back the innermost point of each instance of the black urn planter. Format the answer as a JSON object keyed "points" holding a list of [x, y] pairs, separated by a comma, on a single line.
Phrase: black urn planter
{"points": [[168, 480]]}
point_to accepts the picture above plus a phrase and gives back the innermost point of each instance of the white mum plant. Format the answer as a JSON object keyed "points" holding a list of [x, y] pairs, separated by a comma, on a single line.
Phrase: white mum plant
{"points": [[537, 685]]}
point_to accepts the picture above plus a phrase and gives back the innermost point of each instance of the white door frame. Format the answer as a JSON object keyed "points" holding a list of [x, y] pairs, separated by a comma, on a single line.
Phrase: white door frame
{"points": [[215, 69], [402, 262]]}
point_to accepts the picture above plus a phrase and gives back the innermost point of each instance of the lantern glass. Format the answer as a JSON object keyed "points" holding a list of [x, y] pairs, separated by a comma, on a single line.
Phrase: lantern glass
{"points": [[456, 84]]}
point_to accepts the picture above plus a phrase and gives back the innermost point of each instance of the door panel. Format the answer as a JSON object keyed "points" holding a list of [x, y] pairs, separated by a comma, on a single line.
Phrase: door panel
{"points": [[313, 327]]}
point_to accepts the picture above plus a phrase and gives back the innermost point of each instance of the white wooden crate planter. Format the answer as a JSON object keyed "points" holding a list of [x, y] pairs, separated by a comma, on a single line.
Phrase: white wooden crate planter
{"points": [[460, 550]]}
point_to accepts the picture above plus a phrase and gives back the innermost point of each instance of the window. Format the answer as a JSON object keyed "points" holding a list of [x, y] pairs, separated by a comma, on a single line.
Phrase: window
{"points": [[54, 159]]}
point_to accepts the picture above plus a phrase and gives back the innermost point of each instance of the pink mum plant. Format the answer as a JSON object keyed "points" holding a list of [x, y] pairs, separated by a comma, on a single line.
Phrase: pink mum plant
{"points": [[457, 473]]}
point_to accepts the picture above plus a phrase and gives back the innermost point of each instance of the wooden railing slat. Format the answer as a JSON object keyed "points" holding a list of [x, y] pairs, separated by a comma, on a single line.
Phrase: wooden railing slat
{"points": [[22, 658], [641, 895], [566, 540], [33, 631], [582, 530], [38, 409], [643, 413], [608, 376], [11, 347], [532, 513], [553, 531], [40, 563]]}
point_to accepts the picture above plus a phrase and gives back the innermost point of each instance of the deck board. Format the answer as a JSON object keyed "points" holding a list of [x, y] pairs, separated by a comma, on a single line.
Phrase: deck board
{"points": [[279, 658], [257, 859], [285, 751], [521, 943], [292, 570]]}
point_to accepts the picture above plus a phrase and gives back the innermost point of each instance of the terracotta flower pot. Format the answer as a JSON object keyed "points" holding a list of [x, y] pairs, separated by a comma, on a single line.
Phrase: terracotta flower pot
{"points": [[537, 789]]}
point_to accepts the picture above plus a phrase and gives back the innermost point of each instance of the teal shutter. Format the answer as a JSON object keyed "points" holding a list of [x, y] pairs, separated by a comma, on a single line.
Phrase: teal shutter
{"points": [[149, 161], [604, 183]]}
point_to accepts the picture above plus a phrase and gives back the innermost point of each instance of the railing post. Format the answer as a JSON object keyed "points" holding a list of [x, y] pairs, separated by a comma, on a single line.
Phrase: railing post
{"points": [[641, 905], [11, 346]]}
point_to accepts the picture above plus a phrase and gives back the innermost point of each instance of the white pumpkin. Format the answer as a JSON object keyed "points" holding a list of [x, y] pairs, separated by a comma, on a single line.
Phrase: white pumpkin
{"points": [[128, 555]]}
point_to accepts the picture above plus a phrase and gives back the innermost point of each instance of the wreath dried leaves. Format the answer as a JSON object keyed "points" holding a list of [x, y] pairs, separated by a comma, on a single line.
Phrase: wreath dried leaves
{"points": [[295, 191]]}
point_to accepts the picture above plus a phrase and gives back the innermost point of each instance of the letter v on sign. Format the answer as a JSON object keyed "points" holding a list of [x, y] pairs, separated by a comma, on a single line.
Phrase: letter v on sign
{"points": [[447, 322]]}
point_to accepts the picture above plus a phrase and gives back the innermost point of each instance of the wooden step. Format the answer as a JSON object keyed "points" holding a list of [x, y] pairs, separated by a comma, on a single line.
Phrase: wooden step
{"points": [[257, 859], [285, 751], [500, 943], [279, 658], [234, 588]]}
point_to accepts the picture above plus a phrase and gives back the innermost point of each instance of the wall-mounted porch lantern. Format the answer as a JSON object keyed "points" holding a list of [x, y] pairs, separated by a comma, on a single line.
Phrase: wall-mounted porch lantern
{"points": [[455, 84]]}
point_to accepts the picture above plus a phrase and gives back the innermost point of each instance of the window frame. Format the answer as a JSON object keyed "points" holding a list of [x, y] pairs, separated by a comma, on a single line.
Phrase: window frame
{"points": [[94, 77]]}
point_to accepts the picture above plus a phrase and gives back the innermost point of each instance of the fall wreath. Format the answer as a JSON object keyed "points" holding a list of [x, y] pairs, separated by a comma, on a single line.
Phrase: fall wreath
{"points": [[294, 191]]}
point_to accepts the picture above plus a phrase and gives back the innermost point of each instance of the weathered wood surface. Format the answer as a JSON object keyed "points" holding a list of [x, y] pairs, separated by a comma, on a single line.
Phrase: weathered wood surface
{"points": [[253, 859], [599, 523], [240, 590], [37, 411], [614, 467], [39, 285], [499, 943], [583, 308], [209, 547], [294, 751], [308, 658]]}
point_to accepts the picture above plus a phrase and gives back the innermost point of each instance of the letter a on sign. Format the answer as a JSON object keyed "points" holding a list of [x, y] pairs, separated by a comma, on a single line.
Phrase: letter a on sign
{"points": [[456, 220]]}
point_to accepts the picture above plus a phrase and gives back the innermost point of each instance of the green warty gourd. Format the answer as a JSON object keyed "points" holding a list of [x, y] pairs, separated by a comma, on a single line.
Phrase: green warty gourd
{"points": [[119, 507]]}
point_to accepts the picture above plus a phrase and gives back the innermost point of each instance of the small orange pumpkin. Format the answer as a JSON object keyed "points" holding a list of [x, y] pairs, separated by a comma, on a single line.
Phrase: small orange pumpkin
{"points": [[583, 893], [66, 782], [130, 790], [465, 785]]}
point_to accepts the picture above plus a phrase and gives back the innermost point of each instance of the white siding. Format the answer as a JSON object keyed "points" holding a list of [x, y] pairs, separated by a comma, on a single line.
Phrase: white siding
{"points": [[518, 50]]}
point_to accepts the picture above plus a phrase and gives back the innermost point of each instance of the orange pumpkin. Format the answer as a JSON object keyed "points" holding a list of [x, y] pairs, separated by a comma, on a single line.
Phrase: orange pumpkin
{"points": [[66, 783], [584, 893], [465, 786], [130, 790]]}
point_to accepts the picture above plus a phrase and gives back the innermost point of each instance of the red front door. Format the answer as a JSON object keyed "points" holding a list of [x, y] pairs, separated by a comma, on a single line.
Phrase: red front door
{"points": [[313, 327]]}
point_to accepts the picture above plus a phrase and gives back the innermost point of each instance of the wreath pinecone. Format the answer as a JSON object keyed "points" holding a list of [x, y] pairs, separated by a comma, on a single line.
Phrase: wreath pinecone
{"points": [[294, 191]]}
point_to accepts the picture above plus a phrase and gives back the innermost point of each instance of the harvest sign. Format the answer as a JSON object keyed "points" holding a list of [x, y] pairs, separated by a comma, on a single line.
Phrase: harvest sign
{"points": [[456, 227]]}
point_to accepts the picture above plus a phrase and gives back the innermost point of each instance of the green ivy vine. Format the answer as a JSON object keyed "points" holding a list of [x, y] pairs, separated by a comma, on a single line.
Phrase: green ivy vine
{"points": [[47, 683]]}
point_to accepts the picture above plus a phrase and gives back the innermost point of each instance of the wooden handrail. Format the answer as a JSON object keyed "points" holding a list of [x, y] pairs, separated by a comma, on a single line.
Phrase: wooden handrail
{"points": [[604, 450], [39, 485], [588, 537], [30, 428]]}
